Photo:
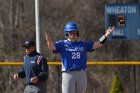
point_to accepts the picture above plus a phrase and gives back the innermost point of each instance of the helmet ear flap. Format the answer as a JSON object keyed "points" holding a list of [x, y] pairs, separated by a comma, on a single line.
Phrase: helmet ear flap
{"points": [[78, 33], [66, 34]]}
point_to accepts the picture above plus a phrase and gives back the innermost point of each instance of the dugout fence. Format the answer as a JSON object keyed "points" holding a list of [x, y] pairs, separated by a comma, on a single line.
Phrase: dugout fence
{"points": [[17, 86]]}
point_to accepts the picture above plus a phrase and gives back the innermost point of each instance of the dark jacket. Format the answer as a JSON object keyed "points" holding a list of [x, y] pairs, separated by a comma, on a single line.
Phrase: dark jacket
{"points": [[35, 65]]}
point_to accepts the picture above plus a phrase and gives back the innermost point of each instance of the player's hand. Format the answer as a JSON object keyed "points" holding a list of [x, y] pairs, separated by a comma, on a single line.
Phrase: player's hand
{"points": [[47, 37], [49, 42], [109, 31], [15, 76], [34, 79]]}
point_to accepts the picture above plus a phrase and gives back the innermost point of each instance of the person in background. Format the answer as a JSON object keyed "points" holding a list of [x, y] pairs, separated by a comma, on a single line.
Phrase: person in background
{"points": [[74, 57], [34, 69]]}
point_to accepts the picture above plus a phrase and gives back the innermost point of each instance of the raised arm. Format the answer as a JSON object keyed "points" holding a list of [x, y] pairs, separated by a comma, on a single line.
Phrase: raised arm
{"points": [[101, 41], [50, 42]]}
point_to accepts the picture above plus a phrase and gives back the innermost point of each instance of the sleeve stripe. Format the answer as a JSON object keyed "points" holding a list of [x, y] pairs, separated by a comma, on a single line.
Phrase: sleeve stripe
{"points": [[39, 59]]}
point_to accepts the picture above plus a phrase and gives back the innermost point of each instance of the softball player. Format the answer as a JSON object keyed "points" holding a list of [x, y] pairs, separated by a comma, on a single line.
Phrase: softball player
{"points": [[74, 57]]}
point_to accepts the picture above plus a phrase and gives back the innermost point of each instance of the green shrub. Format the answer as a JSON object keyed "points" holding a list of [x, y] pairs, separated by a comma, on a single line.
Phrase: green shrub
{"points": [[116, 86]]}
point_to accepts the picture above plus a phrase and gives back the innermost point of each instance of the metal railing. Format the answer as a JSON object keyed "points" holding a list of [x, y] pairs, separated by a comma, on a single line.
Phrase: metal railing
{"points": [[88, 63]]}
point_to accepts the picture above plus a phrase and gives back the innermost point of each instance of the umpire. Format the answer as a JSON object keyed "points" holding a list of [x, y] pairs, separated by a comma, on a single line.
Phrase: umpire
{"points": [[34, 69]]}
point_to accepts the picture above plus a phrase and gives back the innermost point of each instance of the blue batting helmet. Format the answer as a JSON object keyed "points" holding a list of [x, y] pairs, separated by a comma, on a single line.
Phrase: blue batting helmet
{"points": [[70, 26]]}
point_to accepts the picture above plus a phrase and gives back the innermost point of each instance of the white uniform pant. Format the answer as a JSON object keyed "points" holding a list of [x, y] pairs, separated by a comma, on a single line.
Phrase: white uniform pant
{"points": [[74, 81]]}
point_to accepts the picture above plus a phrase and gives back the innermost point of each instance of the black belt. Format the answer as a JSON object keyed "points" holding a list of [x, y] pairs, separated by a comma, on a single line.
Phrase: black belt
{"points": [[74, 70], [38, 83]]}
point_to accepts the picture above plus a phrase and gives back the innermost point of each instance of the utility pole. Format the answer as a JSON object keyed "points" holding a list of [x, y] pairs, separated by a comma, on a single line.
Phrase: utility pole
{"points": [[37, 25]]}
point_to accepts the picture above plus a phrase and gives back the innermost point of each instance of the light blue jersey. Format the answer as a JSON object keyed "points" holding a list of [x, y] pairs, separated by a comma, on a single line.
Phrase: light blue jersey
{"points": [[73, 54]]}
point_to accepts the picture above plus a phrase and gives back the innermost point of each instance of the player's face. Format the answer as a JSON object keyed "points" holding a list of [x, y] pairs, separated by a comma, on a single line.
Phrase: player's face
{"points": [[29, 50], [72, 34]]}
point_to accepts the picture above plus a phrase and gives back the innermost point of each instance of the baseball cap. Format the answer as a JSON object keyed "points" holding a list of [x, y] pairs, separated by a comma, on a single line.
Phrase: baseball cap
{"points": [[29, 43]]}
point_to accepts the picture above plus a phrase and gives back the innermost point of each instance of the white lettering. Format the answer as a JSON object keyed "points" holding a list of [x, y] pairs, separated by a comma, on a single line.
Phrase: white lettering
{"points": [[118, 32], [75, 49], [138, 32], [75, 55], [121, 9]]}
